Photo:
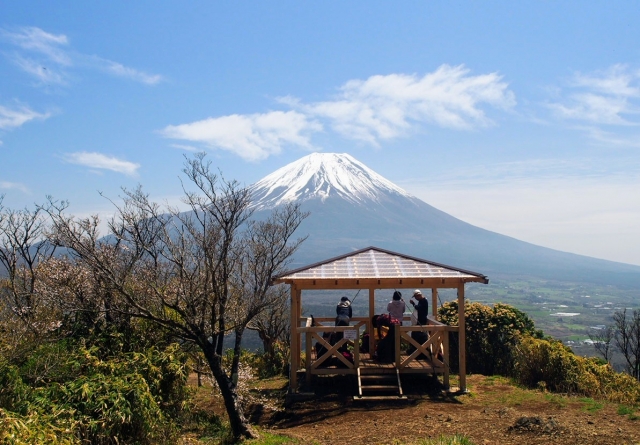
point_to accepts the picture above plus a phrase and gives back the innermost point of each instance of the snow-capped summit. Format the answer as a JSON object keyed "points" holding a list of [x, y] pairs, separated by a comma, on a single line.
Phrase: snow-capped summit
{"points": [[321, 176]]}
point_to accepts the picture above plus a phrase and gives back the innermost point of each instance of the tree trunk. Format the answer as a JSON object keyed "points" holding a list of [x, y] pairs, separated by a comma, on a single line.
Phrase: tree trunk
{"points": [[240, 427], [267, 343]]}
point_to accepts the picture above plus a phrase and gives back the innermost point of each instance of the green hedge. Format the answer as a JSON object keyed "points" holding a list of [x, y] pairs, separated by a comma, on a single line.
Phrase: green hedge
{"points": [[548, 364], [491, 334]]}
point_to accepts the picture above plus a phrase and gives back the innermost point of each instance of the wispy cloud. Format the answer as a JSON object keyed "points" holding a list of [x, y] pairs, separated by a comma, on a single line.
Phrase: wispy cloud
{"points": [[38, 41], [189, 148], [371, 110], [48, 58], [252, 137], [608, 97], [5, 185], [385, 107], [15, 117], [102, 162], [119, 70]]}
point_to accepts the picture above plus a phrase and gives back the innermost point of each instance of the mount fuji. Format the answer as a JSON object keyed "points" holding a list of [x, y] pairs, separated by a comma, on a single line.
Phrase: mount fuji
{"points": [[352, 207]]}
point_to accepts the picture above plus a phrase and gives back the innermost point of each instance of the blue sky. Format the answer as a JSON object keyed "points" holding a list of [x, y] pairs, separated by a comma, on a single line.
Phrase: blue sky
{"points": [[519, 117]]}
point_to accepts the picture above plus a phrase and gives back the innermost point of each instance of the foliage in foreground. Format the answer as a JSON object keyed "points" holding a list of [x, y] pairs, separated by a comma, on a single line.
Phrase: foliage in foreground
{"points": [[502, 340], [548, 364], [78, 397]]}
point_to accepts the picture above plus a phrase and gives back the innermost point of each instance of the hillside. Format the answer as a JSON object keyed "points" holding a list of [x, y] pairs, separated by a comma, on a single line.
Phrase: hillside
{"points": [[493, 412]]}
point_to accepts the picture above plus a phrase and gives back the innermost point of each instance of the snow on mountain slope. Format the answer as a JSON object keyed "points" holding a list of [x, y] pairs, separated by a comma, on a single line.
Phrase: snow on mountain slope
{"points": [[320, 176]]}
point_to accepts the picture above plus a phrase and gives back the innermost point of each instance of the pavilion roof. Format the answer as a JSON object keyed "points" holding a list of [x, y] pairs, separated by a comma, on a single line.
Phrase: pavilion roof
{"points": [[376, 263]]}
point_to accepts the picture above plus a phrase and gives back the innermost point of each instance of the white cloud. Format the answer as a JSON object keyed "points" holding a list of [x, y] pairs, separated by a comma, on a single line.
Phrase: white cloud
{"points": [[603, 98], [47, 57], [378, 108], [103, 162], [252, 137], [5, 185], [15, 117], [384, 107]]}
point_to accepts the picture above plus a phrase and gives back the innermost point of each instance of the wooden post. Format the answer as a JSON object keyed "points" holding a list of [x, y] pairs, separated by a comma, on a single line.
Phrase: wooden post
{"points": [[295, 346], [397, 334], [307, 364], [462, 353], [372, 310], [445, 355], [434, 302]]}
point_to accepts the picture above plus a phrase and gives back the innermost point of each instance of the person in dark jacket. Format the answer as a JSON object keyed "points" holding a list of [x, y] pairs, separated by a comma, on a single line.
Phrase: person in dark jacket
{"points": [[343, 312], [422, 311]]}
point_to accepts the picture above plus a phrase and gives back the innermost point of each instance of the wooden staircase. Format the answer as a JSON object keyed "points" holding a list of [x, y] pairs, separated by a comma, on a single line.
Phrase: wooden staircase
{"points": [[379, 386]]}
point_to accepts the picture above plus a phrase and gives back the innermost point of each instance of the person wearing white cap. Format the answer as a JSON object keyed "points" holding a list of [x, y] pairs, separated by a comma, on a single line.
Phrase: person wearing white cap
{"points": [[421, 307]]}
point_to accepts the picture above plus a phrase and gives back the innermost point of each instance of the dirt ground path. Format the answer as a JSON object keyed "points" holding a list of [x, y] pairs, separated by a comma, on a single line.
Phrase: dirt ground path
{"points": [[493, 412]]}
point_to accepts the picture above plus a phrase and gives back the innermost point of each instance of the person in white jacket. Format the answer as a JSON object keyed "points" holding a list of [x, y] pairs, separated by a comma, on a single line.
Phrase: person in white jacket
{"points": [[396, 306]]}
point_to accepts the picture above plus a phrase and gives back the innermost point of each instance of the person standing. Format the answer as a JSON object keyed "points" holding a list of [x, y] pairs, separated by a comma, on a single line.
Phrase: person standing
{"points": [[343, 312], [421, 307], [396, 306]]}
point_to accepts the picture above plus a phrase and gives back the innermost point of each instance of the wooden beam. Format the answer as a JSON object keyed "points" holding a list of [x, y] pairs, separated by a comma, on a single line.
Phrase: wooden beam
{"points": [[462, 354]]}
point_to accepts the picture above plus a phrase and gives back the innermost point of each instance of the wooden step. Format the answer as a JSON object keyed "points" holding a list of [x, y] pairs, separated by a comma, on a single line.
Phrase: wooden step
{"points": [[375, 383], [374, 387], [390, 377], [389, 398]]}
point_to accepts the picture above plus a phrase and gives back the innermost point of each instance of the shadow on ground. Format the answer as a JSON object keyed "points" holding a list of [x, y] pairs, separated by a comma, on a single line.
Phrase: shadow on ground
{"points": [[332, 396]]}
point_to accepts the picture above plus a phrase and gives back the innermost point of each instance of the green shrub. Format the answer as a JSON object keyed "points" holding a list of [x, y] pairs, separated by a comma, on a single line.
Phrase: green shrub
{"points": [[34, 429], [273, 364], [546, 363], [14, 393], [130, 398], [491, 334]]}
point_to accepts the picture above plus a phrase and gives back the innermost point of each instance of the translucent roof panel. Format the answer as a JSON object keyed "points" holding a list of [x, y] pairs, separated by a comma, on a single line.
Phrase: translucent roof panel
{"points": [[376, 264]]}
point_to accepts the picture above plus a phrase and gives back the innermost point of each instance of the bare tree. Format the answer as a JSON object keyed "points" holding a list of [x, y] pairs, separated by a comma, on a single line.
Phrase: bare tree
{"points": [[627, 339], [23, 246], [602, 339], [200, 274], [272, 326]]}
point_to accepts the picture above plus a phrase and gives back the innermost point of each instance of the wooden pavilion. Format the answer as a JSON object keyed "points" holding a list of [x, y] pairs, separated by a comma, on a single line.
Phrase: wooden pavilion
{"points": [[374, 268]]}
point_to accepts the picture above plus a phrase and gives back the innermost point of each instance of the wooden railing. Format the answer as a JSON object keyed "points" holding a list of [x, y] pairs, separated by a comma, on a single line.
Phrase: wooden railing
{"points": [[435, 348], [351, 337]]}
